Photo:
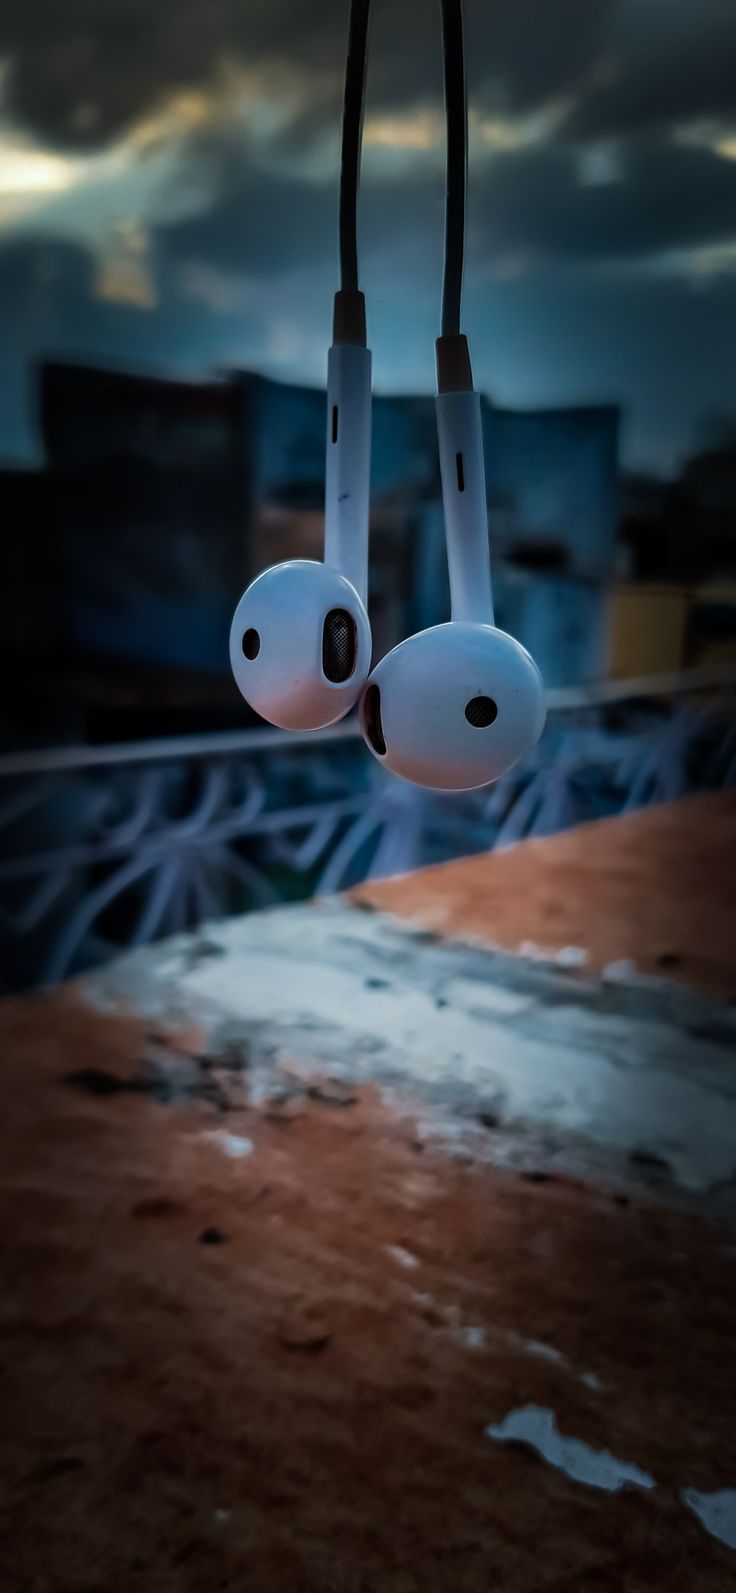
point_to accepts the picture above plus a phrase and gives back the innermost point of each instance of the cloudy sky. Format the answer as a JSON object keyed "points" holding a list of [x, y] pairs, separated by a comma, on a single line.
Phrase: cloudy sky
{"points": [[168, 197]]}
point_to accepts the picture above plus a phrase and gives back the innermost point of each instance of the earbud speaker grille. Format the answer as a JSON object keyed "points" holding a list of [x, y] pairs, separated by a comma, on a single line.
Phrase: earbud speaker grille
{"points": [[338, 645], [480, 712]]}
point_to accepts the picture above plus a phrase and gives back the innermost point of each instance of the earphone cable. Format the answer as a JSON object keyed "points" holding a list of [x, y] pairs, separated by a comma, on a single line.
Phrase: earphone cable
{"points": [[457, 161], [352, 131]]}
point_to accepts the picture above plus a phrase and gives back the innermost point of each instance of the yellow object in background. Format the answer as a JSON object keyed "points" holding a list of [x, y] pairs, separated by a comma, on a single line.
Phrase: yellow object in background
{"points": [[647, 633]]}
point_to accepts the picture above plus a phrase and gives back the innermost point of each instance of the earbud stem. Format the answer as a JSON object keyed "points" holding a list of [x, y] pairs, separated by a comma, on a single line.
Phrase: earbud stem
{"points": [[460, 433], [347, 478]]}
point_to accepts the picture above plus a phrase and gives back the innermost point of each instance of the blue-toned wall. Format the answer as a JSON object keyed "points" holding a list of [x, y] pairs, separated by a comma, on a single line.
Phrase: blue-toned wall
{"points": [[563, 620], [157, 486], [287, 444], [552, 478]]}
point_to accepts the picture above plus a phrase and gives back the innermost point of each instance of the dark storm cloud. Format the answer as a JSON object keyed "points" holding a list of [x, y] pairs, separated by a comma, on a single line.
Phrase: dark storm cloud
{"points": [[520, 54], [257, 221], [531, 205], [82, 71], [632, 70], [666, 198], [667, 63]]}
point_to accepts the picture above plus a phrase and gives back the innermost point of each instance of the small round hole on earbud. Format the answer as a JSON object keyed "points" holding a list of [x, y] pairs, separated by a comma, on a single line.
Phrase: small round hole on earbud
{"points": [[480, 712], [251, 643], [371, 714]]}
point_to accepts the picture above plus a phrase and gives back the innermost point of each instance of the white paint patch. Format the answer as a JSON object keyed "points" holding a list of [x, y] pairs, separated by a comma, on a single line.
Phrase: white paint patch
{"points": [[232, 1144], [547, 1352], [480, 997], [529, 948], [402, 1257], [472, 1337], [100, 999], [572, 957], [621, 972], [595, 1467], [715, 1511], [544, 1352]]}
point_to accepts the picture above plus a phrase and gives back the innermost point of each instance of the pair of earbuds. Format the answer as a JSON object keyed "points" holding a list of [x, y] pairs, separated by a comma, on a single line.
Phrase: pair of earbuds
{"points": [[453, 707]]}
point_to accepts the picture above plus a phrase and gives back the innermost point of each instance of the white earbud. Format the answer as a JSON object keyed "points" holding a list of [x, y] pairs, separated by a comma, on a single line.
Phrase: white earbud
{"points": [[300, 640], [456, 706]]}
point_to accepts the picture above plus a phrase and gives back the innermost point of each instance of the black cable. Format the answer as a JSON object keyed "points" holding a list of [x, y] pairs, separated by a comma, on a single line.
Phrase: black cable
{"points": [[457, 162], [352, 129]]}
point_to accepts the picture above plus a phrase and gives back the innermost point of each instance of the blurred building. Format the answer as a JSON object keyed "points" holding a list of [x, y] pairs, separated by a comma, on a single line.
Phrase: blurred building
{"points": [[552, 478], [151, 486], [161, 498], [675, 604], [553, 506]]}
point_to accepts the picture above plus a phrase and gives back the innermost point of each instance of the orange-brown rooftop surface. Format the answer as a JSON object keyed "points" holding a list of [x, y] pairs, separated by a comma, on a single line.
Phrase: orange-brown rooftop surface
{"points": [[301, 1407], [273, 1373], [656, 887]]}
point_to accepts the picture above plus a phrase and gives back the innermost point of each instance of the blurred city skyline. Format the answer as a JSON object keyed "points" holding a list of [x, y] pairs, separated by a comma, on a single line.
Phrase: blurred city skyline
{"points": [[168, 198]]}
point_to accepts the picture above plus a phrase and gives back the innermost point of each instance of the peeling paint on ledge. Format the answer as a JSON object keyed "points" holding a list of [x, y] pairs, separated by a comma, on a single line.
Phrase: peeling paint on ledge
{"points": [[235, 1145], [468, 1032], [715, 1511], [536, 1428]]}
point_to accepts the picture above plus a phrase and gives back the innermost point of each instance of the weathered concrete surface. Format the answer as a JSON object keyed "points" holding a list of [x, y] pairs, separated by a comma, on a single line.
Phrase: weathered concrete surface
{"points": [[636, 1080], [656, 888]]}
